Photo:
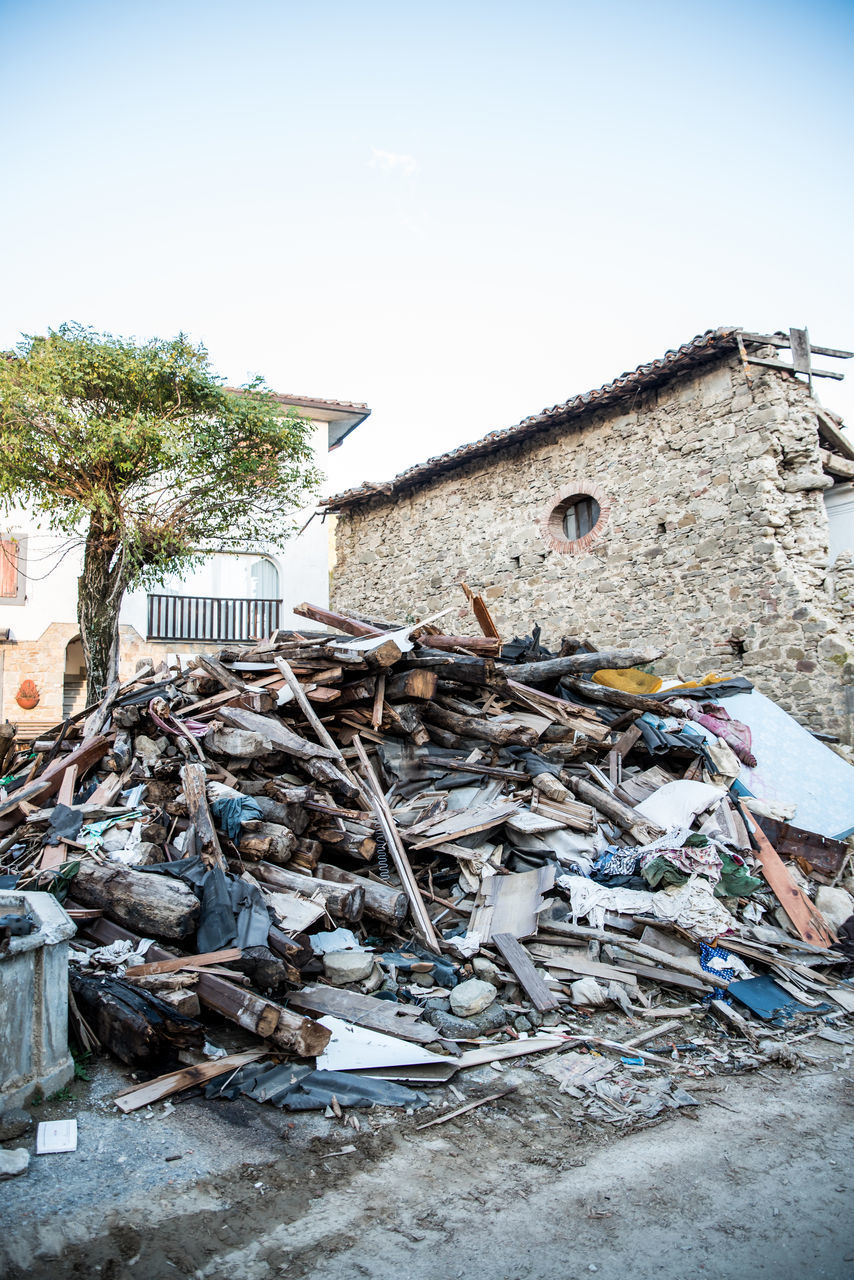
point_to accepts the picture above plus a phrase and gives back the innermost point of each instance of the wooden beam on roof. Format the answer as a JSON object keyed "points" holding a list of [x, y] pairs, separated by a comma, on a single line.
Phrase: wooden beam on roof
{"points": [[787, 368], [832, 435], [778, 340], [836, 466]]}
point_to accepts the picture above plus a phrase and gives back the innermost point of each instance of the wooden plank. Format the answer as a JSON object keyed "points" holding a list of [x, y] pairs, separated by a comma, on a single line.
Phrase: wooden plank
{"points": [[84, 756], [470, 1106], [836, 466], [200, 961], [787, 368], [379, 698], [777, 340], [463, 822], [396, 849], [54, 854], [337, 621], [481, 612], [527, 976], [386, 1016], [509, 904], [833, 435], [799, 340], [808, 921], [194, 781], [142, 1095]]}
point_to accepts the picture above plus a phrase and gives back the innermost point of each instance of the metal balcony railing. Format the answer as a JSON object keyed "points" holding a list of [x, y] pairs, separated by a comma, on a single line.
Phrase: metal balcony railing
{"points": [[211, 618]]}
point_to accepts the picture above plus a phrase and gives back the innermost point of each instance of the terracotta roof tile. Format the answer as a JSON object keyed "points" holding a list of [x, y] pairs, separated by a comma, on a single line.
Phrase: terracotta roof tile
{"points": [[698, 351]]}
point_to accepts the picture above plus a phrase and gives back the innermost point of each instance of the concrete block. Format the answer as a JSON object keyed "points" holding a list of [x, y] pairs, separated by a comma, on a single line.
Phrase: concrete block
{"points": [[34, 1001]]}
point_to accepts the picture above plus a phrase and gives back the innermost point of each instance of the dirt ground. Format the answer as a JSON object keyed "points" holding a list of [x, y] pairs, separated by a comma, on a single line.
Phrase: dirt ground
{"points": [[756, 1182]]}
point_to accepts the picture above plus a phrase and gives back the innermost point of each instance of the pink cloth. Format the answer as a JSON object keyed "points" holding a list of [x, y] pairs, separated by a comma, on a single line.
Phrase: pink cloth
{"points": [[734, 733]]}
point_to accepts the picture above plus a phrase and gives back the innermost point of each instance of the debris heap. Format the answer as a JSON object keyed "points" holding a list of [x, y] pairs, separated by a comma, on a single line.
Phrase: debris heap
{"points": [[388, 854]]}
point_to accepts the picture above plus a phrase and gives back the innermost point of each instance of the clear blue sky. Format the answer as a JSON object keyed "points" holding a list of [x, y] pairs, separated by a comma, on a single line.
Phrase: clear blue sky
{"points": [[458, 212]]}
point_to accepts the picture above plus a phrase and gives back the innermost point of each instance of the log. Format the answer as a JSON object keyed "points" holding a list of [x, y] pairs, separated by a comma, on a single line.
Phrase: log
{"points": [[285, 1029], [357, 845], [338, 621], [268, 840], [382, 901], [361, 691], [342, 901], [221, 674], [604, 660], [417, 683], [405, 721], [194, 782], [291, 815], [487, 645], [325, 772], [153, 904], [240, 744], [641, 828], [283, 738], [465, 670], [616, 697], [136, 1026], [486, 730]]}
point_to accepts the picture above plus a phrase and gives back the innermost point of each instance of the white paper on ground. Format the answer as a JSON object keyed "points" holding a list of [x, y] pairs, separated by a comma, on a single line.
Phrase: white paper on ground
{"points": [[53, 1136]]}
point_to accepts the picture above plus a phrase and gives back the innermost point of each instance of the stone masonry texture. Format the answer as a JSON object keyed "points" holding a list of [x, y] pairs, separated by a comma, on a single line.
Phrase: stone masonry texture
{"points": [[715, 547]]}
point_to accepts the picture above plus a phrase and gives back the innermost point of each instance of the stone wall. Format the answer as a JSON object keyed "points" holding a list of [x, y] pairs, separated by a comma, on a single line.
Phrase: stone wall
{"points": [[715, 545]]}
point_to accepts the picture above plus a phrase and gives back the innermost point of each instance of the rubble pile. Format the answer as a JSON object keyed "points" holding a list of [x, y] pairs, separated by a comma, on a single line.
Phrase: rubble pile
{"points": [[390, 855]]}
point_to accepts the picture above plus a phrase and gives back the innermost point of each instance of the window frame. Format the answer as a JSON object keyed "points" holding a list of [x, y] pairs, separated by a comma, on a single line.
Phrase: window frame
{"points": [[551, 524]]}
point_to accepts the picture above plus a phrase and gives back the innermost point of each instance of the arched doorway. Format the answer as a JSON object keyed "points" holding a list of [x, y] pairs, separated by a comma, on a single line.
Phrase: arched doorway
{"points": [[74, 679]]}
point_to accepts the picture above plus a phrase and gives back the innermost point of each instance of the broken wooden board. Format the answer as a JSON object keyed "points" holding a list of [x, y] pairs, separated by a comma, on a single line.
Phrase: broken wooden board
{"points": [[509, 904], [366, 1011], [512, 1049], [820, 853], [53, 855], [804, 915], [463, 822], [142, 1095], [520, 962], [185, 962], [293, 913]]}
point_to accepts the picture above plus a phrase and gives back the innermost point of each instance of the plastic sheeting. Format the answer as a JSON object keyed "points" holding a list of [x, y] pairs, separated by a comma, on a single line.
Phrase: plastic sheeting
{"points": [[795, 768]]}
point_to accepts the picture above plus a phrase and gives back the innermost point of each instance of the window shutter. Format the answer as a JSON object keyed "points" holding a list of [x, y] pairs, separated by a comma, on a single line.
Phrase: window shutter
{"points": [[8, 568]]}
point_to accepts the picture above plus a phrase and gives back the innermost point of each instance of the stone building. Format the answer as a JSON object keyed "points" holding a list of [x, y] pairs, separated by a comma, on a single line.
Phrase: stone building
{"points": [[682, 505]]}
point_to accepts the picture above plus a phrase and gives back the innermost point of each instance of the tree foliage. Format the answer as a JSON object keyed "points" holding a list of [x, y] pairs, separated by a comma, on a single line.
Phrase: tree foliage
{"points": [[143, 442], [141, 449]]}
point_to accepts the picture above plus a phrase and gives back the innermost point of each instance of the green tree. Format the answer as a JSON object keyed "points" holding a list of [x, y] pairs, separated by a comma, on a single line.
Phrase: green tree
{"points": [[141, 451]]}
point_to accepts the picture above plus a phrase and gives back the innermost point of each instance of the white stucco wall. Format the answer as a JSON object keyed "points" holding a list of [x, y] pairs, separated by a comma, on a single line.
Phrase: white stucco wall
{"points": [[52, 563]]}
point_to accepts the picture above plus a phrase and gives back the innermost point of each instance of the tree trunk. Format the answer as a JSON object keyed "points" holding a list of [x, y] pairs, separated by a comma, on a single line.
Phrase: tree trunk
{"points": [[100, 589]]}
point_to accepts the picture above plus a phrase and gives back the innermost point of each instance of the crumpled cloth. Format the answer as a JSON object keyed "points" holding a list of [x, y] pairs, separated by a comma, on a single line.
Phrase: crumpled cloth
{"points": [[676, 804], [734, 733], [623, 862], [232, 811], [587, 898], [693, 906]]}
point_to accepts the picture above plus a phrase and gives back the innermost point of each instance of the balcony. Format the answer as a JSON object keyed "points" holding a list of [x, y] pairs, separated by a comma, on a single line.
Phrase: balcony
{"points": [[209, 618]]}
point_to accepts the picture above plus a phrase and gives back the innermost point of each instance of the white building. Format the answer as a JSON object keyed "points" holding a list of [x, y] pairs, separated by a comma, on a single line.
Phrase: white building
{"points": [[228, 597]]}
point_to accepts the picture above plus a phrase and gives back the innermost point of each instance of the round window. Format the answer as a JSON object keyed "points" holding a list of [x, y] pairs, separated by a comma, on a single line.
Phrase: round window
{"points": [[580, 517], [575, 518]]}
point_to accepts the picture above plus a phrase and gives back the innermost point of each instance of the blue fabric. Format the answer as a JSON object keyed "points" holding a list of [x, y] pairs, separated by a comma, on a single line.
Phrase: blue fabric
{"points": [[707, 953], [232, 811]]}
